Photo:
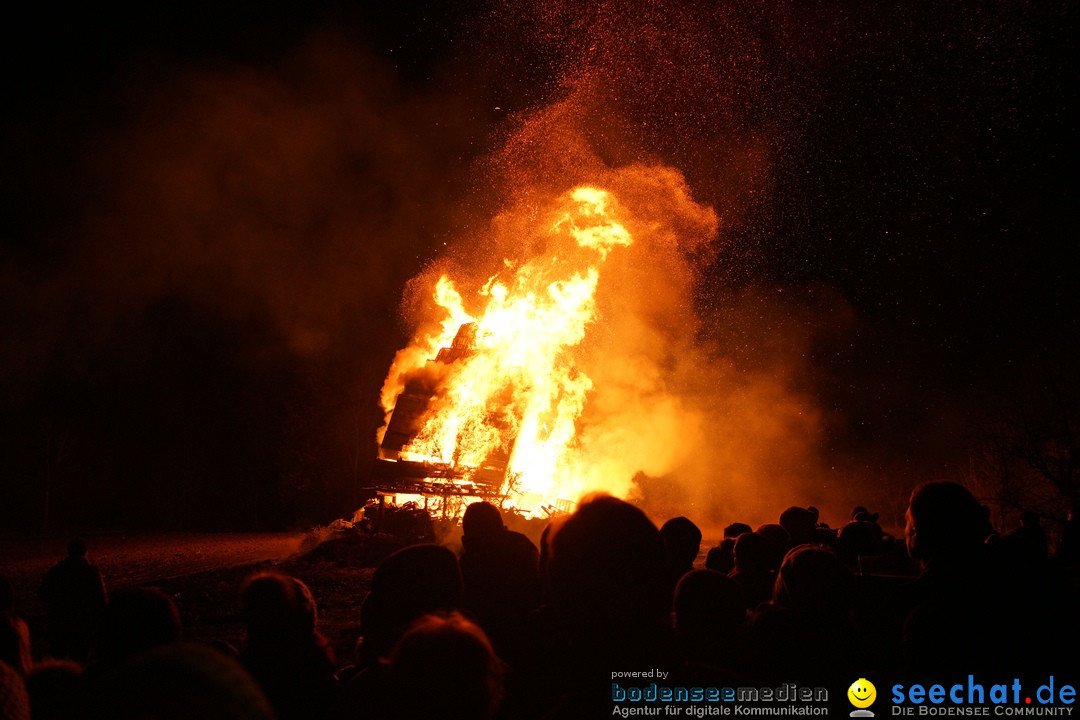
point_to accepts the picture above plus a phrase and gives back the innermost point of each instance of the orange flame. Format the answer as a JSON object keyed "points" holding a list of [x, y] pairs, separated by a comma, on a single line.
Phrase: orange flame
{"points": [[516, 392]]}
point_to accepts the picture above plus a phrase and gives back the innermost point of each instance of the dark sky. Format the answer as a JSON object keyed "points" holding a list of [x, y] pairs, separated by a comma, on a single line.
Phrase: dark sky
{"points": [[209, 212]]}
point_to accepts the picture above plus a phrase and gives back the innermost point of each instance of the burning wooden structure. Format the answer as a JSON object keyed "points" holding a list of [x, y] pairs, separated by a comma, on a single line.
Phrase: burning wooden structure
{"points": [[485, 401], [397, 475]]}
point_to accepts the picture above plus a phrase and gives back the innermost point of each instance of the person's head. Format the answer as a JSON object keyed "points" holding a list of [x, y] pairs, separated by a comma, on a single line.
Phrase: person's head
{"points": [[76, 548], [799, 523], [609, 565], [15, 643], [861, 514], [182, 681], [135, 620], [753, 553], [708, 603], [444, 666], [411, 582], [943, 519], [481, 523], [275, 604], [55, 689], [779, 542], [812, 580], [683, 540], [860, 537], [14, 700], [722, 557], [736, 529]]}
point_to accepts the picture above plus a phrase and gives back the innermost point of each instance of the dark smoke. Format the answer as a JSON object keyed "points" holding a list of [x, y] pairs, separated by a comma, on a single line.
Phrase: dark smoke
{"points": [[204, 333]]}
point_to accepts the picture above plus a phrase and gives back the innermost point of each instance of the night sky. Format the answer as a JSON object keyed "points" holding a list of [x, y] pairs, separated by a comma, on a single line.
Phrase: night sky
{"points": [[210, 211]]}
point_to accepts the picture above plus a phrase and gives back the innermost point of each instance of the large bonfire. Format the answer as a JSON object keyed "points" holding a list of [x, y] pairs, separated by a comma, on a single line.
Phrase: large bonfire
{"points": [[559, 351], [495, 397]]}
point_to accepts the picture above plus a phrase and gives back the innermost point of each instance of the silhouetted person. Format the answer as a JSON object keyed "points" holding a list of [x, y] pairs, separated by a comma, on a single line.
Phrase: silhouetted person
{"points": [[710, 612], [545, 557], [15, 642], [410, 583], [73, 593], [944, 533], [610, 603], [135, 620], [1028, 542], [722, 557], [444, 667], [14, 633], [181, 681], [800, 523], [753, 568], [945, 525], [736, 529], [806, 630], [683, 541], [860, 513], [56, 690], [14, 700], [779, 543], [859, 538], [608, 568], [988, 528], [608, 606], [964, 591], [814, 582], [499, 572], [283, 651]]}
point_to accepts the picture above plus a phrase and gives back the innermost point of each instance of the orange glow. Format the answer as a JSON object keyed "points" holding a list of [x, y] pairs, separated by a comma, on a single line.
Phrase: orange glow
{"points": [[514, 388], [562, 351]]}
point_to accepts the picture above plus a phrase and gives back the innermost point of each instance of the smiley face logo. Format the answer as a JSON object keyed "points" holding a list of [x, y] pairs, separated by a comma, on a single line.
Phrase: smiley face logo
{"points": [[862, 693]]}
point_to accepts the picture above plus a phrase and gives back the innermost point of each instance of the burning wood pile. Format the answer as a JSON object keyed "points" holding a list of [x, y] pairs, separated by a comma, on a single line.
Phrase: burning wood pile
{"points": [[487, 404]]}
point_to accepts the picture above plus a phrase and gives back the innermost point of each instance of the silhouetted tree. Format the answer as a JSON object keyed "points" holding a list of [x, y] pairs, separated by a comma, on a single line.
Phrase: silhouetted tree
{"points": [[1028, 460]]}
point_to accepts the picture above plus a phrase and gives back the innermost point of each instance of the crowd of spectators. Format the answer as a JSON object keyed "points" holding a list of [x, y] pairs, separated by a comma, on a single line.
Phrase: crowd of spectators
{"points": [[507, 629]]}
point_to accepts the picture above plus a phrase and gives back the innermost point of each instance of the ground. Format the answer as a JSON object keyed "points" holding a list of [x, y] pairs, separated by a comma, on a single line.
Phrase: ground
{"points": [[201, 572]]}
